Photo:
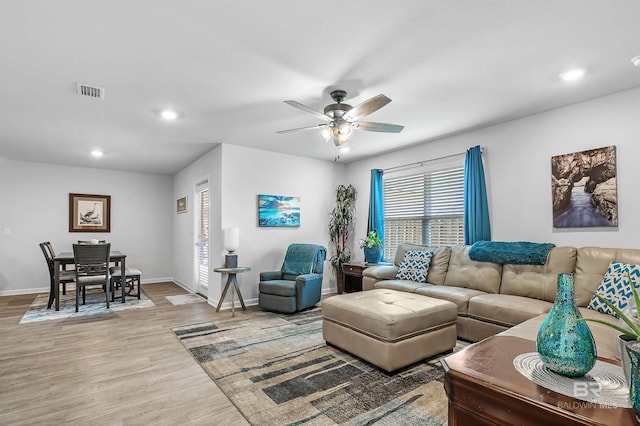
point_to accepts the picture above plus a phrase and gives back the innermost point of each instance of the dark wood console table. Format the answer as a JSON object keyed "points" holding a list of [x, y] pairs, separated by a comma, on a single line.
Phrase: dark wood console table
{"points": [[484, 388]]}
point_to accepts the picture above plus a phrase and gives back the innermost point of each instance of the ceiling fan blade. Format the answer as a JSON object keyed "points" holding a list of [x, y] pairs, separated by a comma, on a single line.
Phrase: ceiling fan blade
{"points": [[316, 127], [366, 107], [377, 127], [308, 110]]}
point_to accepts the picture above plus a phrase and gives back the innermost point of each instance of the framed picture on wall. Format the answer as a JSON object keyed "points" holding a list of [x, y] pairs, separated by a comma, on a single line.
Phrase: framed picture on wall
{"points": [[278, 211], [584, 189], [89, 213], [181, 205]]}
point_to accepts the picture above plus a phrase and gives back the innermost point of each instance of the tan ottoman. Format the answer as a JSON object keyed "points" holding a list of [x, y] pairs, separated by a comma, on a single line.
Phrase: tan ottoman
{"points": [[389, 328]]}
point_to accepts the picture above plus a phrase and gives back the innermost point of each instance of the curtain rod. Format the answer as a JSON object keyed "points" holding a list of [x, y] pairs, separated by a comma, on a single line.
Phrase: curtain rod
{"points": [[420, 163]]}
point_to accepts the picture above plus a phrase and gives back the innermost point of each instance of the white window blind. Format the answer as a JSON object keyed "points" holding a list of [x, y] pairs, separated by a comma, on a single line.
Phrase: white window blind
{"points": [[425, 208]]}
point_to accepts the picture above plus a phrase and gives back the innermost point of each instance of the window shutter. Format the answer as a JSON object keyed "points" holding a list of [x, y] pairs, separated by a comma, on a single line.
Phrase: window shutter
{"points": [[425, 208], [203, 237]]}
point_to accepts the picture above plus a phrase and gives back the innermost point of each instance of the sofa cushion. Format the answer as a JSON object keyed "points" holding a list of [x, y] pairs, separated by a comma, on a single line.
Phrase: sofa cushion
{"points": [[506, 309], [414, 266], [592, 264], [439, 261], [615, 287], [401, 285], [538, 281], [467, 273], [458, 295]]}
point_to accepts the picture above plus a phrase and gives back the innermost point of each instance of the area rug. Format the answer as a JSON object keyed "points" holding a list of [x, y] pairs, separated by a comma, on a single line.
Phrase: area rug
{"points": [[185, 299], [278, 370], [95, 304]]}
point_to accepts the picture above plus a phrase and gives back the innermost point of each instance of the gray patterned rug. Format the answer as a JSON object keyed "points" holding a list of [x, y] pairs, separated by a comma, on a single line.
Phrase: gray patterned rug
{"points": [[95, 304], [277, 370]]}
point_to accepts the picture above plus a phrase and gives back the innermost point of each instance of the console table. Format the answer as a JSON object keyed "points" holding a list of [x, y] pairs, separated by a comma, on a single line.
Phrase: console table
{"points": [[231, 279], [484, 388]]}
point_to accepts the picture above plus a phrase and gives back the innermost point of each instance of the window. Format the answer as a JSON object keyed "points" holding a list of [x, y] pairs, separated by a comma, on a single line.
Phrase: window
{"points": [[424, 208]]}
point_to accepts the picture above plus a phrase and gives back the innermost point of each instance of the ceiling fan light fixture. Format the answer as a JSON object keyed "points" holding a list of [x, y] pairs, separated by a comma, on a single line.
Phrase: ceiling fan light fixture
{"points": [[342, 139], [345, 129], [326, 133]]}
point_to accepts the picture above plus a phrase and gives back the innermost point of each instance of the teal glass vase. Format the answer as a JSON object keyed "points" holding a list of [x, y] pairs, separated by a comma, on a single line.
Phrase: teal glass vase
{"points": [[566, 345]]}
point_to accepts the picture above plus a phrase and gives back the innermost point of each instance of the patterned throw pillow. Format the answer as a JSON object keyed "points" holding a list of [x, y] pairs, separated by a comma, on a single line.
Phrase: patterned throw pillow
{"points": [[414, 266], [615, 287]]}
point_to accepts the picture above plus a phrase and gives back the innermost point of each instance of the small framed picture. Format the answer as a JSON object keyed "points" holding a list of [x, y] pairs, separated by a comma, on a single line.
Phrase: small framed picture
{"points": [[89, 213], [181, 205]]}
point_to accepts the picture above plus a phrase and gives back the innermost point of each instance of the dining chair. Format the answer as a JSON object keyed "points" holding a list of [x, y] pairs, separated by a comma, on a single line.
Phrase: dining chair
{"points": [[91, 241], [65, 276], [131, 279], [92, 268]]}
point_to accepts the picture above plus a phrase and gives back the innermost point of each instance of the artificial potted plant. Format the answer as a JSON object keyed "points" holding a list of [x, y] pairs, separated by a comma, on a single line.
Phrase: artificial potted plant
{"points": [[340, 227], [373, 247]]}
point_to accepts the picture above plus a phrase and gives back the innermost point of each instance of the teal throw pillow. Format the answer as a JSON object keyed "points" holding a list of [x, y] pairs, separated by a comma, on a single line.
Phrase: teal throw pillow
{"points": [[414, 266], [615, 287]]}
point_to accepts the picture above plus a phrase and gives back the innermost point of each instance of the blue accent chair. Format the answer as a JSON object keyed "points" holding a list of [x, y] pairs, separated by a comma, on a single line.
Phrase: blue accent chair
{"points": [[298, 284]]}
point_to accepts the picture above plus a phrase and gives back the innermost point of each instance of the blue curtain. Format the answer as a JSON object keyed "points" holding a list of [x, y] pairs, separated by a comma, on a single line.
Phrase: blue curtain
{"points": [[376, 207], [476, 208]]}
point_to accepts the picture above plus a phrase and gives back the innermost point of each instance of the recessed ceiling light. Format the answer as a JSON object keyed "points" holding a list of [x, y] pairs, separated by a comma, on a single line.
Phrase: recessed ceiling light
{"points": [[572, 75], [96, 153], [168, 114], [636, 61]]}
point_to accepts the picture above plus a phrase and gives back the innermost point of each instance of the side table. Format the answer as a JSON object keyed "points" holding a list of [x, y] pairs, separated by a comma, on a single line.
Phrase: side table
{"points": [[353, 276], [231, 279]]}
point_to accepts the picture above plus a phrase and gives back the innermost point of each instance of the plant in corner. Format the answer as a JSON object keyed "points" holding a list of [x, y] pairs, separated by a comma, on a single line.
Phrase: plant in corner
{"points": [[373, 247], [630, 333], [633, 330], [340, 227]]}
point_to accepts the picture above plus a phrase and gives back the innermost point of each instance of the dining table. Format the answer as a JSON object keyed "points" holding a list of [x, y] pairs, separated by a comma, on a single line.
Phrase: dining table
{"points": [[66, 258]]}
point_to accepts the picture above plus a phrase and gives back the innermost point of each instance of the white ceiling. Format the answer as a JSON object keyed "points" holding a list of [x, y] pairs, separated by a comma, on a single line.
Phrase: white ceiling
{"points": [[226, 66]]}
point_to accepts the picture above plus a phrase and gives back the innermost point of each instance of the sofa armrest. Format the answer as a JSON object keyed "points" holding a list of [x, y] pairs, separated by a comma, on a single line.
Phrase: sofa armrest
{"points": [[270, 275], [373, 274], [381, 272]]}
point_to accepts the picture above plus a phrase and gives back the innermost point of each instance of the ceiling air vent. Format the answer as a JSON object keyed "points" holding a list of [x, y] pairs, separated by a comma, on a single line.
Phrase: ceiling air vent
{"points": [[90, 91]]}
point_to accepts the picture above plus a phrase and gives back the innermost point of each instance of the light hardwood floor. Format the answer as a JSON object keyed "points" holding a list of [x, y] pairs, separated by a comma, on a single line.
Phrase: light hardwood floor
{"points": [[124, 368]]}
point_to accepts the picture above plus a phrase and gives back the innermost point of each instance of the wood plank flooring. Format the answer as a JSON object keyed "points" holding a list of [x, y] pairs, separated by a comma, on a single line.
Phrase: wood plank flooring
{"points": [[125, 368]]}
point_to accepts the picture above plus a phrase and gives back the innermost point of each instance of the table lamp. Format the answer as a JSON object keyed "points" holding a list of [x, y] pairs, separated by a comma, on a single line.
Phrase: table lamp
{"points": [[231, 243]]}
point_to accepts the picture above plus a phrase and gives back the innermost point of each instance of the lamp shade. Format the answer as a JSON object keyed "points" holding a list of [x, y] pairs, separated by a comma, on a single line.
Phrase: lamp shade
{"points": [[231, 239]]}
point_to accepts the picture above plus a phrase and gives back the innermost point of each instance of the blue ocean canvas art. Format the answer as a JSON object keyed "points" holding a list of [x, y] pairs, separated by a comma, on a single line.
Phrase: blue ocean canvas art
{"points": [[278, 210]]}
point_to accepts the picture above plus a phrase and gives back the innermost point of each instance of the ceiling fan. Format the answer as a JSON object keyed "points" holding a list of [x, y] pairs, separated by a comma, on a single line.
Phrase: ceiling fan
{"points": [[340, 119]]}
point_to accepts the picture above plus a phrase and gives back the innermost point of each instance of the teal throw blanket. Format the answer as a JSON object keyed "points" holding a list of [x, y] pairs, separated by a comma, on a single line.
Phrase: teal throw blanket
{"points": [[519, 252], [304, 259]]}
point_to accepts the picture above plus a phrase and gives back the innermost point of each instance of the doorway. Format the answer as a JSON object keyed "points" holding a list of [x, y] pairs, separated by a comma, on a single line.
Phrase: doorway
{"points": [[202, 238]]}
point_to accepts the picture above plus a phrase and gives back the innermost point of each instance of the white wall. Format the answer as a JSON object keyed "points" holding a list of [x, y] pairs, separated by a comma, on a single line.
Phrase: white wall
{"points": [[207, 168], [35, 206], [240, 174], [518, 169]]}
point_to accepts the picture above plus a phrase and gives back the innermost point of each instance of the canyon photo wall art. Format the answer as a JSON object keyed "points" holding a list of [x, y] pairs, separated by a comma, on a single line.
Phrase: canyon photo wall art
{"points": [[584, 188]]}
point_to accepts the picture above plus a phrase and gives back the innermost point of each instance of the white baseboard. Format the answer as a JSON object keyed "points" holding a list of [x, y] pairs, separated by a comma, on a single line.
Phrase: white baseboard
{"points": [[20, 291]]}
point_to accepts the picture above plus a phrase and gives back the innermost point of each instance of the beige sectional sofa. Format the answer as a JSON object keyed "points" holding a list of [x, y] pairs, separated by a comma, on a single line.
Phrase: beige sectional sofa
{"points": [[509, 299]]}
